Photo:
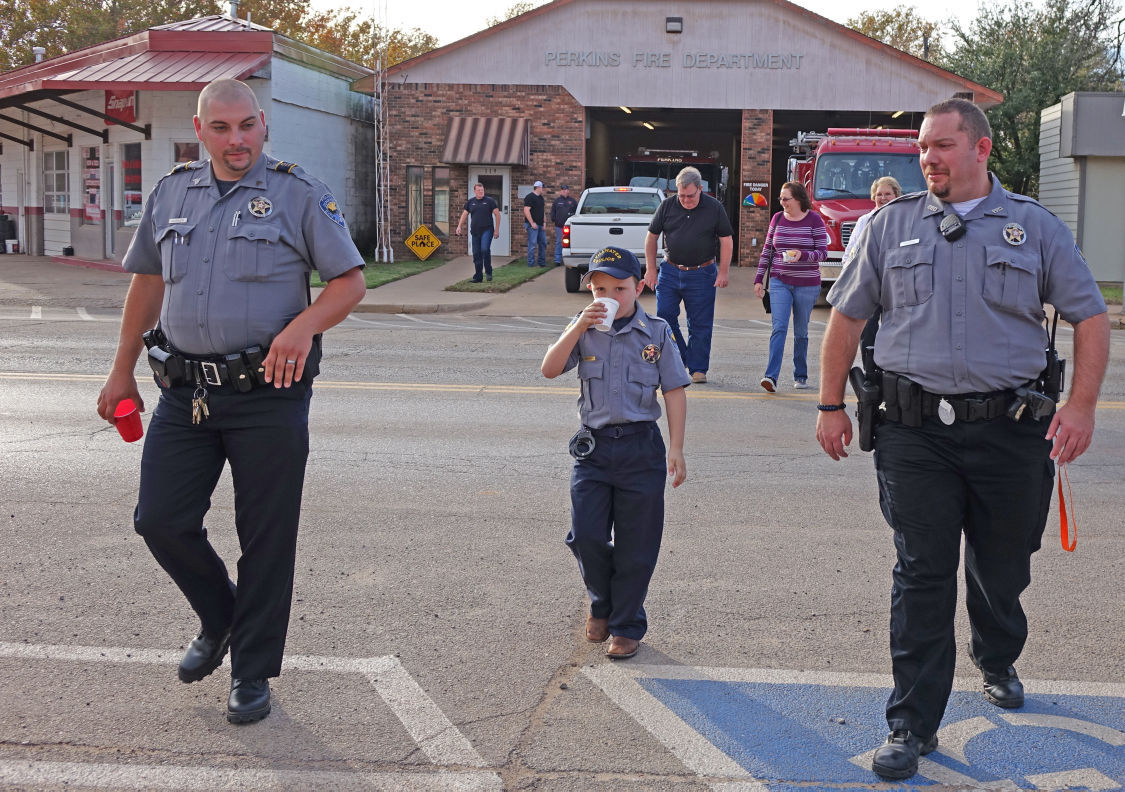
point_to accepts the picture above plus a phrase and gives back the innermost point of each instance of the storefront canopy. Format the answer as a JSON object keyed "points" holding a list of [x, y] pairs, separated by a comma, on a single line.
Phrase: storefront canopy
{"points": [[486, 141]]}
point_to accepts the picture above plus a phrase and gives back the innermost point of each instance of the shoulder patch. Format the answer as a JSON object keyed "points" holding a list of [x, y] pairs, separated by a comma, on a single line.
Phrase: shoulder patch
{"points": [[329, 206]]}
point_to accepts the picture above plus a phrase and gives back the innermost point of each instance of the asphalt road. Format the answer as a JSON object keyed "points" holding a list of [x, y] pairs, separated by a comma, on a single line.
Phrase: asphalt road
{"points": [[436, 635]]}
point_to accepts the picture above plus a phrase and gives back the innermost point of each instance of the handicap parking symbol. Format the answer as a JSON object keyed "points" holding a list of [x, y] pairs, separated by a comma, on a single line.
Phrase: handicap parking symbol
{"points": [[789, 730]]}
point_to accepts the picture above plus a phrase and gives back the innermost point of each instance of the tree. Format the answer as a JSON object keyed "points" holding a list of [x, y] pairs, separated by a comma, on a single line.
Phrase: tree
{"points": [[902, 29], [1034, 57], [515, 10]]}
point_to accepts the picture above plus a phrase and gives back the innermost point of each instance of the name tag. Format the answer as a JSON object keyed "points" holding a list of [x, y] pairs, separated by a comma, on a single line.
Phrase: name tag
{"points": [[178, 220], [590, 357], [909, 242]]}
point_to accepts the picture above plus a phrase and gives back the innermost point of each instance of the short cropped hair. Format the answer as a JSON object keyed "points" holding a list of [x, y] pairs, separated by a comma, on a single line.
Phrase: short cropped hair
{"points": [[689, 176], [798, 191], [974, 123], [226, 90]]}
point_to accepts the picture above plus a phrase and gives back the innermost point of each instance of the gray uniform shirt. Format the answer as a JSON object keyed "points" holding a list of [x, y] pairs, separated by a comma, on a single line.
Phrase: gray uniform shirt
{"points": [[965, 316], [619, 371], [234, 267]]}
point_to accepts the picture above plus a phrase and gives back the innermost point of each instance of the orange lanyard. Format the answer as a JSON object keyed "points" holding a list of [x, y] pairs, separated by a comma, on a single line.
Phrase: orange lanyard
{"points": [[1069, 540]]}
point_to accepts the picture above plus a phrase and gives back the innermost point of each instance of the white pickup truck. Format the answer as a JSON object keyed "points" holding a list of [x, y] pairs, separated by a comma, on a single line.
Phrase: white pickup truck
{"points": [[617, 216]]}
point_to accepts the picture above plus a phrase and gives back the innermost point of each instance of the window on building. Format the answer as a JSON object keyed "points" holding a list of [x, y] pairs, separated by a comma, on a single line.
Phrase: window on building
{"points": [[185, 151], [440, 189], [414, 174], [91, 186], [132, 203], [56, 182]]}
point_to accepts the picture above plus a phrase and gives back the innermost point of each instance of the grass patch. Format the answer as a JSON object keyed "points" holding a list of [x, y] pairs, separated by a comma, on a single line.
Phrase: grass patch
{"points": [[1111, 294], [504, 278], [378, 273]]}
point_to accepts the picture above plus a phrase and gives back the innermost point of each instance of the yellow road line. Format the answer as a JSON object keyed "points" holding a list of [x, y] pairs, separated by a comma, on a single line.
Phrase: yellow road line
{"points": [[696, 393]]}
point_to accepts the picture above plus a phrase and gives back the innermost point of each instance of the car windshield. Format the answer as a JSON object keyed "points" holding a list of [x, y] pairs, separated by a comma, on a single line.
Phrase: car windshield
{"points": [[850, 175], [620, 203]]}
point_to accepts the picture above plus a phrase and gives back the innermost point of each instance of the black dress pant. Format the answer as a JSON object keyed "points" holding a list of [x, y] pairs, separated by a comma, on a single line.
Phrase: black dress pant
{"points": [[264, 435], [617, 521], [991, 481]]}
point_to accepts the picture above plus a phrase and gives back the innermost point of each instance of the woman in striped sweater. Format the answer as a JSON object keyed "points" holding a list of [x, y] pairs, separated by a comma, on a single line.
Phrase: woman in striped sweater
{"points": [[795, 245]]}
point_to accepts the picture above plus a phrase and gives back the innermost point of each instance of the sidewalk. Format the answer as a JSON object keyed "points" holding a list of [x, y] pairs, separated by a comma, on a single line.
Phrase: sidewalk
{"points": [[72, 282]]}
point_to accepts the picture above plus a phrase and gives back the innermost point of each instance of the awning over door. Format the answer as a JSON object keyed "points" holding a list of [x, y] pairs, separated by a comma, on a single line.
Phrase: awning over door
{"points": [[486, 141]]}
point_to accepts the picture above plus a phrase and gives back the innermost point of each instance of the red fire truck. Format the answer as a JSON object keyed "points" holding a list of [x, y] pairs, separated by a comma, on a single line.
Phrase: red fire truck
{"points": [[651, 167], [837, 169]]}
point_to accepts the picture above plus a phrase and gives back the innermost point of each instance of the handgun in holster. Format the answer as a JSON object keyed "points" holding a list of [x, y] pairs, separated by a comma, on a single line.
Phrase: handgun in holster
{"points": [[868, 395]]}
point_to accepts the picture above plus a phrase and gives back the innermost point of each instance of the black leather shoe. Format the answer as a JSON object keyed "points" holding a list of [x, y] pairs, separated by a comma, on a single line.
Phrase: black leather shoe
{"points": [[204, 654], [898, 757], [249, 700], [1003, 689]]}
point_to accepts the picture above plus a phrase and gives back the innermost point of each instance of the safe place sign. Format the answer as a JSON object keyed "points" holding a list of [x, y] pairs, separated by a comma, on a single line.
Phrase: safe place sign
{"points": [[423, 242]]}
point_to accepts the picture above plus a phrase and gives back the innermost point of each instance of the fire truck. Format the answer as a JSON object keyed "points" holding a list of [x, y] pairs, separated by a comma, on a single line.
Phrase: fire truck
{"points": [[837, 168], [651, 167]]}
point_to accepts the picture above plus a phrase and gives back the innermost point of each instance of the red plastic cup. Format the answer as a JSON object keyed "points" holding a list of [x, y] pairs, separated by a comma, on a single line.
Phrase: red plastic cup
{"points": [[128, 421]]}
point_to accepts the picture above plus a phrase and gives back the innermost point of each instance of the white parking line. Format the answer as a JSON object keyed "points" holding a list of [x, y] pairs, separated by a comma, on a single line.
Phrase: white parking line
{"points": [[36, 312], [438, 738], [83, 315], [133, 776]]}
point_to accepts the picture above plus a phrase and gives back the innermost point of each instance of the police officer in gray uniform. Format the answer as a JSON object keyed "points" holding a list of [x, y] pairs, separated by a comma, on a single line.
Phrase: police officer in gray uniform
{"points": [[961, 273], [221, 257], [617, 484]]}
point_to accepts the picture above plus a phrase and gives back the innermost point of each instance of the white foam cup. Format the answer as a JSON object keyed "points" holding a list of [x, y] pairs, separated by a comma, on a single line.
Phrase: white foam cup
{"points": [[611, 306]]}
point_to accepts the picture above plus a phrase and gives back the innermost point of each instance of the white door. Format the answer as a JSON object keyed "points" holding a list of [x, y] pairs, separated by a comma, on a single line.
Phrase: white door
{"points": [[497, 183]]}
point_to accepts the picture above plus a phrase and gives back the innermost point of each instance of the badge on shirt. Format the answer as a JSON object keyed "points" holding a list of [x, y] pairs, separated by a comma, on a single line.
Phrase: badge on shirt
{"points": [[329, 206], [650, 354], [1014, 234], [260, 206]]}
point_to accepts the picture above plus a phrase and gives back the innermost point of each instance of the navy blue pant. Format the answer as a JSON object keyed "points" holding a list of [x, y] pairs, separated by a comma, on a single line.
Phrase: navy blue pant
{"points": [[617, 520], [264, 435], [990, 480], [482, 253]]}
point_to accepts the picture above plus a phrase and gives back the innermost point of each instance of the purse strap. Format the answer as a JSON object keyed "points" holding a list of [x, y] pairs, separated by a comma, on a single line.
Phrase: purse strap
{"points": [[769, 245]]}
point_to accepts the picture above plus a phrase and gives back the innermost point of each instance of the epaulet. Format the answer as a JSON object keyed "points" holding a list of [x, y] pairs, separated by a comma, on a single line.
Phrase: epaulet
{"points": [[284, 167], [1025, 198], [183, 166], [914, 196]]}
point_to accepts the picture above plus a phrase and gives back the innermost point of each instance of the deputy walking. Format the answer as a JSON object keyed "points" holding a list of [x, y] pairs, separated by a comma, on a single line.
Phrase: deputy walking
{"points": [[221, 257], [967, 439]]}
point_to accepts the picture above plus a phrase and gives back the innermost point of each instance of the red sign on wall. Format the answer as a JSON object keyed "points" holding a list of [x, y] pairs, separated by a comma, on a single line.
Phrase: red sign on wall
{"points": [[122, 105]]}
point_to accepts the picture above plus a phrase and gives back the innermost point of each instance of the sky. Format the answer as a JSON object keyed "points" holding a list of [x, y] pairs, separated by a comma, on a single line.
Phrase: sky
{"points": [[451, 20]]}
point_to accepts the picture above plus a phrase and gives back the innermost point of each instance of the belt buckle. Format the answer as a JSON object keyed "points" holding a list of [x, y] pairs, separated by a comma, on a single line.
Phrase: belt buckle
{"points": [[210, 370]]}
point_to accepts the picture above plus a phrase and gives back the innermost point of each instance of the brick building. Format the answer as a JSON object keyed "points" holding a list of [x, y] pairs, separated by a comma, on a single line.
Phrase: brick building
{"points": [[574, 90]]}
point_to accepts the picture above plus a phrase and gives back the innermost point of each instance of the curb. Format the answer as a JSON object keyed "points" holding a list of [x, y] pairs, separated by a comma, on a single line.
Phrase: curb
{"points": [[106, 265]]}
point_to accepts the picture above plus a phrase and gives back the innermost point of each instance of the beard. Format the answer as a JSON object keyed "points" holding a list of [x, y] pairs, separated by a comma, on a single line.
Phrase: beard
{"points": [[237, 168]]}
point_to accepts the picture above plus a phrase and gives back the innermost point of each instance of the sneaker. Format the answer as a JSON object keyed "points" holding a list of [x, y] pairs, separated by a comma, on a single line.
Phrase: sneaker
{"points": [[801, 384], [769, 384], [699, 377]]}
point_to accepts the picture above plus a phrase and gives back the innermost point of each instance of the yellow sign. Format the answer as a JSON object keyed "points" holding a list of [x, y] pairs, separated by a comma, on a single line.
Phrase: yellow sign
{"points": [[422, 242]]}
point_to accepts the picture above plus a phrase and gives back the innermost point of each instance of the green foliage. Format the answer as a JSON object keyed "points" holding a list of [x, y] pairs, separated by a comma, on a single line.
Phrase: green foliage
{"points": [[902, 29], [380, 273], [1034, 56], [504, 278], [515, 10]]}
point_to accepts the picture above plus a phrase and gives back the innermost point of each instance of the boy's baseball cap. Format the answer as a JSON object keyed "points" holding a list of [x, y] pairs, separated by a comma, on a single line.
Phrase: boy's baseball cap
{"points": [[615, 262], [537, 184]]}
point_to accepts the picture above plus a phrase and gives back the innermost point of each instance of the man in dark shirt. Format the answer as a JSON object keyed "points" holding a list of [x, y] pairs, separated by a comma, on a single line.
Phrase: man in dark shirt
{"points": [[533, 206], [484, 225], [692, 223], [561, 209]]}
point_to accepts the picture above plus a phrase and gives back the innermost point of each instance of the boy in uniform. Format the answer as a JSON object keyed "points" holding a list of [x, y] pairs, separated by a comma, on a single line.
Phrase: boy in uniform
{"points": [[617, 486]]}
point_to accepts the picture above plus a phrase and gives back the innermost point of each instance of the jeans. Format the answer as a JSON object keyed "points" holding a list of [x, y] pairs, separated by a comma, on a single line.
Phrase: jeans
{"points": [[800, 300], [482, 253], [696, 289], [536, 237], [558, 244]]}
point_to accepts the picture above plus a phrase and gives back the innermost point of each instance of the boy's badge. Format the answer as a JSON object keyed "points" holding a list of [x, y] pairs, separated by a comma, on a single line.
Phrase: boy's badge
{"points": [[1014, 234], [650, 354], [332, 209], [261, 206]]}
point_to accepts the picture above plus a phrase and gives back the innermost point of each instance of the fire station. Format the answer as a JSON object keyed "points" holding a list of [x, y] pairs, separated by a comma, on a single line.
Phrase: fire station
{"points": [[588, 92]]}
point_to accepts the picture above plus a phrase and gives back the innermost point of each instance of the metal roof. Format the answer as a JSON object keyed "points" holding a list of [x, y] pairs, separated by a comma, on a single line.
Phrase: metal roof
{"points": [[155, 71]]}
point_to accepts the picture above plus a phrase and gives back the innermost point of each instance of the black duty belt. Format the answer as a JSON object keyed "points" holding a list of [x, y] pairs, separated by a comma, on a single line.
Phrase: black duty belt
{"points": [[623, 430], [905, 401]]}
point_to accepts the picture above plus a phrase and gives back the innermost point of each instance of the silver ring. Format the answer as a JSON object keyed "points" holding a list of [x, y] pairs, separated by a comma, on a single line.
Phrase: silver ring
{"points": [[290, 362]]}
